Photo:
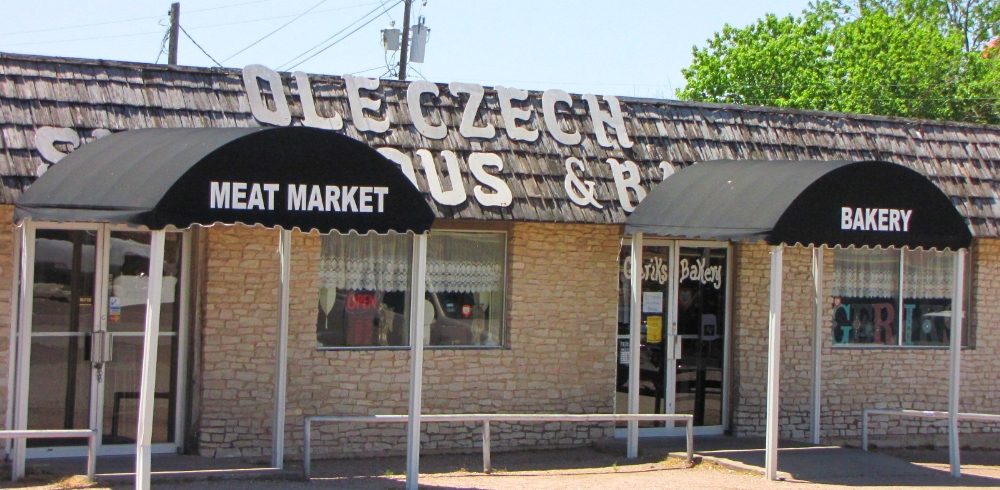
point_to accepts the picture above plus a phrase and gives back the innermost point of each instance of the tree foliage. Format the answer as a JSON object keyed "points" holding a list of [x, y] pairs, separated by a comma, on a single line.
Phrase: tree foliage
{"points": [[913, 58]]}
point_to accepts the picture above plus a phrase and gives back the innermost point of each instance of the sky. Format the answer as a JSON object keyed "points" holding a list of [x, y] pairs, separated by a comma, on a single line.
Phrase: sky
{"points": [[624, 47]]}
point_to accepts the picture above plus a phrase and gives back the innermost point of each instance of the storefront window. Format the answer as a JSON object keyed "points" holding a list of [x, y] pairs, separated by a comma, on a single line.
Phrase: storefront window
{"points": [[892, 297], [364, 290]]}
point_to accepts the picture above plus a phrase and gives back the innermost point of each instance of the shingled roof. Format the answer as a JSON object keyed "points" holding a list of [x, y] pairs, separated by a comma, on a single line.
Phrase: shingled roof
{"points": [[93, 95]]}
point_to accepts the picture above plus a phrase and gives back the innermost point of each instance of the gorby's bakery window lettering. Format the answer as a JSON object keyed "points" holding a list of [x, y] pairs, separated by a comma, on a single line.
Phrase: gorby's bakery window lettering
{"points": [[364, 282], [892, 297]]}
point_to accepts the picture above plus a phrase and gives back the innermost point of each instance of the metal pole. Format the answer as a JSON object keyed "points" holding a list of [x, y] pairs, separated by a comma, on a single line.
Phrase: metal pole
{"points": [[12, 343], [773, 366], [634, 338], [92, 457], [307, 455], [151, 337], [26, 301], [175, 23], [281, 359], [817, 391], [406, 39], [417, 288], [690, 440], [487, 464], [955, 371], [864, 430]]}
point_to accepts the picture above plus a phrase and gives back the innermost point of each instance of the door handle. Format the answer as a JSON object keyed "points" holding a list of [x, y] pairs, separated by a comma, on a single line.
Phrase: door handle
{"points": [[674, 347], [101, 347]]}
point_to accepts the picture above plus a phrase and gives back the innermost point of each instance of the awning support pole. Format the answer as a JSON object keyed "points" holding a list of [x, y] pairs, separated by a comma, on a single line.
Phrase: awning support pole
{"points": [[418, 280], [151, 337], [26, 299], [281, 358], [634, 338], [773, 366], [955, 358], [12, 344], [817, 391]]}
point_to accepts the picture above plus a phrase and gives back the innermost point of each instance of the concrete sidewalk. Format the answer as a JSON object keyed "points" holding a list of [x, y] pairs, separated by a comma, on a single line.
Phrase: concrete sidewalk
{"points": [[601, 465]]}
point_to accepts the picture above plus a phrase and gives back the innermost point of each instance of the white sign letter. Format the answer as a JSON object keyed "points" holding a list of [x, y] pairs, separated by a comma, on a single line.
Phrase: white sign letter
{"points": [[280, 116], [413, 94], [45, 140], [615, 119], [457, 193], [476, 94], [404, 162], [501, 195], [359, 104], [549, 100], [846, 218], [581, 192], [511, 114], [623, 183], [312, 118]]}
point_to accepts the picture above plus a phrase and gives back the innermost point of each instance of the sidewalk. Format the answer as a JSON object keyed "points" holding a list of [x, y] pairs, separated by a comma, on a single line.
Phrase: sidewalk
{"points": [[726, 463]]}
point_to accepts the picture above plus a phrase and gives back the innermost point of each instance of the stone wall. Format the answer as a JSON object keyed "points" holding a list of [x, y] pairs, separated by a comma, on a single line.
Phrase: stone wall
{"points": [[7, 268], [560, 353], [855, 378]]}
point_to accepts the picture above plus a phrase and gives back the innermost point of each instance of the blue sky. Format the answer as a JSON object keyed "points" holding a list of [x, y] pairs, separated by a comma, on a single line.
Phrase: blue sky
{"points": [[625, 47]]}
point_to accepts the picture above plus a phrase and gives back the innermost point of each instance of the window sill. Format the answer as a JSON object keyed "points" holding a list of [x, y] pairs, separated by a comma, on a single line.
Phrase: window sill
{"points": [[406, 348], [893, 347]]}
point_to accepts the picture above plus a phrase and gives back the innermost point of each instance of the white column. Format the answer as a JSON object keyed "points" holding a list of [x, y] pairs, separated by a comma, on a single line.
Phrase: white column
{"points": [[773, 366], [418, 278], [12, 343], [634, 338], [26, 300], [817, 390], [281, 359], [955, 358], [151, 337]]}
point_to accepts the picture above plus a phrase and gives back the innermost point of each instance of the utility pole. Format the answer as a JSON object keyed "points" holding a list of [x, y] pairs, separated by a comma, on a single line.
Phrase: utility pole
{"points": [[175, 24], [406, 39]]}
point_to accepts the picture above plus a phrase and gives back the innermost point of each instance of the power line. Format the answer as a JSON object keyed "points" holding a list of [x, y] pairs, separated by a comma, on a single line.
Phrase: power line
{"points": [[83, 39], [262, 19], [276, 30], [126, 20], [333, 36], [199, 46]]}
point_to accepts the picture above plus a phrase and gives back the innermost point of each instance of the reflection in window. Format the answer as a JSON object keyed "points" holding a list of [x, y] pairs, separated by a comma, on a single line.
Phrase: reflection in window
{"points": [[892, 297], [364, 290]]}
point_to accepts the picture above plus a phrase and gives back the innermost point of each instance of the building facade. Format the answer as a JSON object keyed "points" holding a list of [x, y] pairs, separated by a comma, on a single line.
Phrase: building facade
{"points": [[527, 265]]}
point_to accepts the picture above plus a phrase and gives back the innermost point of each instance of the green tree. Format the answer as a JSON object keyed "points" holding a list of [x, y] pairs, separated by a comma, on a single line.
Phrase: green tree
{"points": [[913, 58]]}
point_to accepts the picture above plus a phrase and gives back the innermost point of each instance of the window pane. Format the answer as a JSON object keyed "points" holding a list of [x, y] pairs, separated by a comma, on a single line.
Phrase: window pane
{"points": [[928, 283], [465, 289], [363, 290], [865, 296]]}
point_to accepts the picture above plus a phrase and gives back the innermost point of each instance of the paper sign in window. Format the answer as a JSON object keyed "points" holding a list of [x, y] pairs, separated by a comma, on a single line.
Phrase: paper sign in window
{"points": [[652, 302], [654, 329]]}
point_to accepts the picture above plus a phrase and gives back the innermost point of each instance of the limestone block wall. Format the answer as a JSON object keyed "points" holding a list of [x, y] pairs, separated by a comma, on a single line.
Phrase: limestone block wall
{"points": [[7, 268], [560, 353], [854, 378]]}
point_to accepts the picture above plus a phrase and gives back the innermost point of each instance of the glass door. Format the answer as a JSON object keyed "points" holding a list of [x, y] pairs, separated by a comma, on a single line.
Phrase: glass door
{"points": [[128, 269], [87, 336], [684, 303], [701, 322], [62, 329], [653, 350]]}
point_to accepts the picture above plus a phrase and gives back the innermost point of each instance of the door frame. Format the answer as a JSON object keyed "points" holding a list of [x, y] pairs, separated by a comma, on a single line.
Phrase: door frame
{"points": [[671, 320], [21, 333]]}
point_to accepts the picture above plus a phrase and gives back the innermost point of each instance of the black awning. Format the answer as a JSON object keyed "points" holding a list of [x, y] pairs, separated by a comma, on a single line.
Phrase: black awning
{"points": [[803, 202], [291, 177]]}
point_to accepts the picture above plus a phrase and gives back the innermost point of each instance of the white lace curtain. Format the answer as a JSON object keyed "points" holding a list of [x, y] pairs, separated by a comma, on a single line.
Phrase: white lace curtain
{"points": [[927, 274], [456, 262], [365, 262], [866, 273], [465, 262]]}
